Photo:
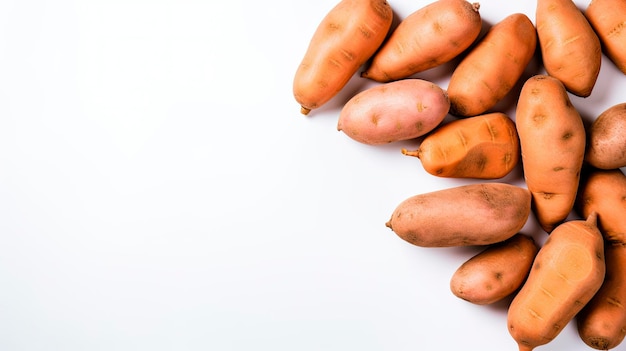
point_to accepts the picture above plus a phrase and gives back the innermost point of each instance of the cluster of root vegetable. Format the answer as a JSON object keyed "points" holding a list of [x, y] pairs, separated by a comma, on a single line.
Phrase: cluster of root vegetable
{"points": [[567, 166]]}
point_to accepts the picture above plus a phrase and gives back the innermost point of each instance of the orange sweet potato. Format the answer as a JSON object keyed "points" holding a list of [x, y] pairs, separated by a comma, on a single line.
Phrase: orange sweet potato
{"points": [[567, 272], [345, 39], [427, 38]]}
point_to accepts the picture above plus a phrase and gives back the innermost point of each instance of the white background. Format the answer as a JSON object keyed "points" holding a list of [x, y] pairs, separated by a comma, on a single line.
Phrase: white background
{"points": [[159, 189]]}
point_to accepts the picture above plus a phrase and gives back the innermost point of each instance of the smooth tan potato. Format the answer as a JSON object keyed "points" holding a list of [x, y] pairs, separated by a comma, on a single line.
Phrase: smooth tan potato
{"points": [[394, 111], [493, 67], [606, 146], [473, 214], [427, 38], [496, 272]]}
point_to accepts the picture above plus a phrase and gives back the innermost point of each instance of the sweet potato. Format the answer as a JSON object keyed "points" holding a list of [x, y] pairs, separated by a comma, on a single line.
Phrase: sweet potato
{"points": [[604, 192], [496, 272], [427, 38], [394, 111], [606, 140], [601, 323], [570, 48], [608, 19], [552, 142], [568, 270], [473, 214], [481, 147], [493, 67], [346, 38]]}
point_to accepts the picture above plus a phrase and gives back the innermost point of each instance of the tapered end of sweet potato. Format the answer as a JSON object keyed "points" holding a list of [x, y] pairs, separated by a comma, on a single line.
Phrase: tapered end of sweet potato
{"points": [[304, 110], [414, 153], [523, 347], [592, 219]]}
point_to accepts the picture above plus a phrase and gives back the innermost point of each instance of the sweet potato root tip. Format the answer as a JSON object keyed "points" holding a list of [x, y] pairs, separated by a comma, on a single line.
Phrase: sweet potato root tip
{"points": [[525, 348], [305, 111], [476, 6], [414, 153], [592, 219]]}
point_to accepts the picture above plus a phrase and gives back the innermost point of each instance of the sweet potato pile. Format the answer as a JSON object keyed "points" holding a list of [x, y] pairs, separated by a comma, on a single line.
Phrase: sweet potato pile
{"points": [[569, 168]]}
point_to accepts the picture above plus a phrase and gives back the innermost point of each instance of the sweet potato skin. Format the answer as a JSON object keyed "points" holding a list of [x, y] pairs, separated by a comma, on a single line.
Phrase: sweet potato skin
{"points": [[345, 39], [458, 216], [496, 272], [394, 111], [606, 145], [552, 166], [567, 272], [427, 38], [493, 67]]}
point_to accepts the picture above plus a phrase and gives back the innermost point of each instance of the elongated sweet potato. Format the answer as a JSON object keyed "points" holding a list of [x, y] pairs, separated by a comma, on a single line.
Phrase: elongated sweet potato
{"points": [[493, 67], [345, 39], [570, 48], [602, 322], [568, 270], [427, 38], [552, 141], [481, 147], [608, 17], [473, 214]]}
